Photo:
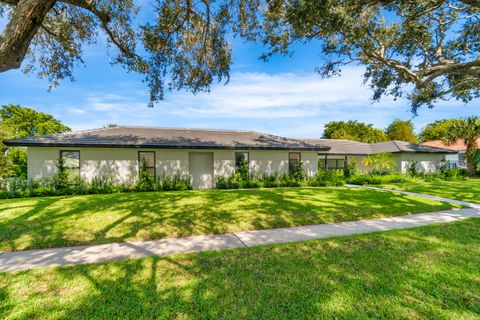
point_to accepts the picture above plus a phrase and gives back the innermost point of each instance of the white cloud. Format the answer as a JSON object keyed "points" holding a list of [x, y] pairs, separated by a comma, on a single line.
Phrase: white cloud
{"points": [[291, 104]]}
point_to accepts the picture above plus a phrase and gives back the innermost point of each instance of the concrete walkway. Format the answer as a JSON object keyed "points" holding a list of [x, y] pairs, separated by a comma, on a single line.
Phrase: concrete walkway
{"points": [[31, 259]]}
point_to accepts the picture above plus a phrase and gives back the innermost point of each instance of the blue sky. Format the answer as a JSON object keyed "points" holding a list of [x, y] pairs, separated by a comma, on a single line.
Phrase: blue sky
{"points": [[284, 96]]}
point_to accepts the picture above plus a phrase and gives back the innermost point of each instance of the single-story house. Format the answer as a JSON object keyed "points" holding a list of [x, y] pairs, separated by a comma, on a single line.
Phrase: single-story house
{"points": [[118, 153], [403, 153], [457, 160]]}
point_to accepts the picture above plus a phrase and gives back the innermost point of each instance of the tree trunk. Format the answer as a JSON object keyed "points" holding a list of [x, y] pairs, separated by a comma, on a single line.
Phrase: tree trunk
{"points": [[470, 157], [27, 17]]}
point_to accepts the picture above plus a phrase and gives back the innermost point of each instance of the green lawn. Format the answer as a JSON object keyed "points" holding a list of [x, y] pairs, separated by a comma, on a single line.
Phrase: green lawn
{"points": [[468, 190], [77, 220], [429, 272]]}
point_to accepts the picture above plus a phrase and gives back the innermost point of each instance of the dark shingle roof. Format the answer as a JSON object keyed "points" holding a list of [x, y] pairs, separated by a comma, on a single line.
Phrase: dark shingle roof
{"points": [[147, 137], [402, 146], [338, 146], [347, 147]]}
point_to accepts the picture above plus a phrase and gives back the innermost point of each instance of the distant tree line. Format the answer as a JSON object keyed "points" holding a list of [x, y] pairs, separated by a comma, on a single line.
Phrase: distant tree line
{"points": [[467, 130], [21, 122]]}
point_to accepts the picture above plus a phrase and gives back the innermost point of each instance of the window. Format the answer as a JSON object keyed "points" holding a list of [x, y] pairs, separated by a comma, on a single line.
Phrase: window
{"points": [[147, 159], [293, 162], [242, 162], [331, 163], [71, 163]]}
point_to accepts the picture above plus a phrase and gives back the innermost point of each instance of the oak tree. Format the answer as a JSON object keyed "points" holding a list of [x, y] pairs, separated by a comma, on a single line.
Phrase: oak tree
{"points": [[424, 50]]}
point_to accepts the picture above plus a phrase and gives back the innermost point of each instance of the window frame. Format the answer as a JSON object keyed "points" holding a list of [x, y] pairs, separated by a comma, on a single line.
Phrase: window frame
{"points": [[154, 162], [325, 160], [73, 168], [290, 165], [248, 160]]}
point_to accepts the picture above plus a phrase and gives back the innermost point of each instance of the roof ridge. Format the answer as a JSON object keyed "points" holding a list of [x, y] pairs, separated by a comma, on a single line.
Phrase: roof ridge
{"points": [[186, 129]]}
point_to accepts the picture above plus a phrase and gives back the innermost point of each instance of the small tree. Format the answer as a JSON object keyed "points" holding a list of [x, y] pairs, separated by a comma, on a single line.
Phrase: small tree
{"points": [[61, 180], [380, 163], [468, 130], [412, 168], [349, 168], [242, 168], [146, 180], [298, 173]]}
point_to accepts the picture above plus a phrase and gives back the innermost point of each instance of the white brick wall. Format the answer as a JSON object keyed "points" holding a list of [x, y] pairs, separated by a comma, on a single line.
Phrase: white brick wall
{"points": [[122, 163]]}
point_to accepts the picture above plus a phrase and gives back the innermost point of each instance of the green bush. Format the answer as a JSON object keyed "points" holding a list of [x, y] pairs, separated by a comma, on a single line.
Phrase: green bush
{"points": [[59, 186], [369, 178], [323, 178]]}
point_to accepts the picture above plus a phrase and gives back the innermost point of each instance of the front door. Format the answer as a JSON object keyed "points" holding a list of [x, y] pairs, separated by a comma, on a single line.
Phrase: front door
{"points": [[201, 169]]}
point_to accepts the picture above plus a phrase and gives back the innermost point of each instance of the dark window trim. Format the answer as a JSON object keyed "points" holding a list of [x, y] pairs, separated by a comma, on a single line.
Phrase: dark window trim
{"points": [[325, 159], [248, 160], [290, 163], [79, 160], [154, 162]]}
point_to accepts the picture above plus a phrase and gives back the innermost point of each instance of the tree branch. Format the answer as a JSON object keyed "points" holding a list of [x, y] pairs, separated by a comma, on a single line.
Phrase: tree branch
{"points": [[27, 18], [473, 3]]}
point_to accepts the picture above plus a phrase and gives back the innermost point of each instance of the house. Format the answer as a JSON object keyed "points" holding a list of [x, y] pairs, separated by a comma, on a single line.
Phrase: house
{"points": [[427, 158], [457, 160], [118, 153], [204, 154]]}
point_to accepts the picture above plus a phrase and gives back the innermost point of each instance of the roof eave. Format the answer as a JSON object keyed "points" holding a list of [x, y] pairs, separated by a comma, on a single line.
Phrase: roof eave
{"points": [[153, 146]]}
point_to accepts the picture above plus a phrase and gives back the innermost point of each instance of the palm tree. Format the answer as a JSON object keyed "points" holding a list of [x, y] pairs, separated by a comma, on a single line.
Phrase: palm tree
{"points": [[381, 162], [468, 130]]}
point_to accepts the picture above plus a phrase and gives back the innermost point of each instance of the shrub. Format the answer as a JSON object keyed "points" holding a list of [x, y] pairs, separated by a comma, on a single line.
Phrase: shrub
{"points": [[58, 186], [297, 179], [350, 168], [370, 178]]}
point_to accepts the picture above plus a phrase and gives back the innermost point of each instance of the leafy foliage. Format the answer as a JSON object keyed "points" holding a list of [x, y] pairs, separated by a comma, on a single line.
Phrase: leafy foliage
{"points": [[401, 130], [380, 162], [353, 130], [24, 122], [468, 130], [21, 122], [424, 50], [298, 179], [185, 42], [437, 130]]}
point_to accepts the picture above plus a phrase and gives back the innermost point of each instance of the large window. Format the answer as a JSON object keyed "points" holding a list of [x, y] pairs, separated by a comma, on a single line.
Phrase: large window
{"points": [[294, 163], [331, 163], [242, 162], [147, 159], [71, 163]]}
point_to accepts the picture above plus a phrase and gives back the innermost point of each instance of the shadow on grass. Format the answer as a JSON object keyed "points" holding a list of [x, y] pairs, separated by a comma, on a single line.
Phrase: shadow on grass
{"points": [[428, 272], [468, 190], [69, 221]]}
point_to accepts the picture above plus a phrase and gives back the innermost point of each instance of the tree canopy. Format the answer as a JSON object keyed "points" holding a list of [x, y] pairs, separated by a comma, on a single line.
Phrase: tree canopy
{"points": [[437, 130], [24, 122], [424, 50], [185, 41], [467, 130], [353, 130], [20, 122], [401, 130]]}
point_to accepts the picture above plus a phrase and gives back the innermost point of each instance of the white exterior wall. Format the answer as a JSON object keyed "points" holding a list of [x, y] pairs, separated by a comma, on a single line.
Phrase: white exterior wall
{"points": [[425, 162], [223, 163], [310, 163], [122, 163]]}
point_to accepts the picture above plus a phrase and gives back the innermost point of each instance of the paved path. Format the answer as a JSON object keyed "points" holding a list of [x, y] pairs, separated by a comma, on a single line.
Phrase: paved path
{"points": [[31, 259]]}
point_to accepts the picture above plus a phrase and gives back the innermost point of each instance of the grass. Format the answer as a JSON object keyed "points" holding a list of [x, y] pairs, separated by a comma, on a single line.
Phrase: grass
{"points": [[93, 219], [468, 190], [423, 273]]}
